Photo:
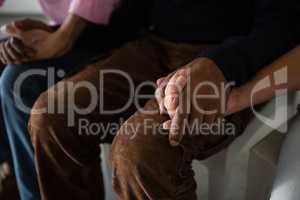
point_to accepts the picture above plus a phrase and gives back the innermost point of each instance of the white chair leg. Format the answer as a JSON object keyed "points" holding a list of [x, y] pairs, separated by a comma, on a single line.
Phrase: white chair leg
{"points": [[215, 166], [106, 171]]}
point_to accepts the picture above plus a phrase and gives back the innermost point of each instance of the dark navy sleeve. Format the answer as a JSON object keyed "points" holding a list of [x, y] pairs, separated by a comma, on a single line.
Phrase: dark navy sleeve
{"points": [[273, 34]]}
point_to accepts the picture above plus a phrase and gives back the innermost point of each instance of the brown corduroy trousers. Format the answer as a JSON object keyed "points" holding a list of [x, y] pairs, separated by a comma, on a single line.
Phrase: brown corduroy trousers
{"points": [[145, 166]]}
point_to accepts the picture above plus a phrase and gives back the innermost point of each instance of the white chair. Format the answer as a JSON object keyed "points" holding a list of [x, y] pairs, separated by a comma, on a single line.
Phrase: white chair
{"points": [[224, 176], [227, 171]]}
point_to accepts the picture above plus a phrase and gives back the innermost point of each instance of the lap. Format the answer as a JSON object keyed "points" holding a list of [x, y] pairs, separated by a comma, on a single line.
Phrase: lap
{"points": [[22, 84], [104, 91], [143, 132]]}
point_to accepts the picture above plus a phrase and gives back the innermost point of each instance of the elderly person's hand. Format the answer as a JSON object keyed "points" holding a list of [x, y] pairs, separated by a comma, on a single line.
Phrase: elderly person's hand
{"points": [[48, 43], [13, 50], [35, 35], [193, 92]]}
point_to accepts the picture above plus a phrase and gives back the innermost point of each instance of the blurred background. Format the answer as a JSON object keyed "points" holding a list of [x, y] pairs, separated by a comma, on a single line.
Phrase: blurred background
{"points": [[16, 9]]}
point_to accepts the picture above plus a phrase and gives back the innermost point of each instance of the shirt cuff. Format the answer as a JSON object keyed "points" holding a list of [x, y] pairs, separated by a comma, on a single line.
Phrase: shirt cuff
{"points": [[96, 11]]}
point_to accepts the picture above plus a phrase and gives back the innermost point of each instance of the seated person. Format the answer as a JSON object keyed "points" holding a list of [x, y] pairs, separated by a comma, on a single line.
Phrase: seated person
{"points": [[204, 39], [77, 34]]}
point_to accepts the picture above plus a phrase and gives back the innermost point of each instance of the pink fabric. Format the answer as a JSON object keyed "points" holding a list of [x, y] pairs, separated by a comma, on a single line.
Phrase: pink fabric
{"points": [[97, 11]]}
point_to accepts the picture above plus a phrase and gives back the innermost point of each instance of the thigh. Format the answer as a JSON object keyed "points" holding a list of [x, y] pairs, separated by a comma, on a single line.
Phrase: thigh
{"points": [[100, 97], [23, 83], [143, 157]]}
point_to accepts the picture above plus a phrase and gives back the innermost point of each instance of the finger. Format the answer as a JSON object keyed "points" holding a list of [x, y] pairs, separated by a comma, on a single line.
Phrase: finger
{"points": [[164, 82], [3, 61], [167, 125], [160, 93], [179, 121], [160, 81], [175, 86], [1, 53], [159, 96], [177, 129], [11, 30], [171, 103], [177, 82], [18, 46], [6, 56], [15, 55]]}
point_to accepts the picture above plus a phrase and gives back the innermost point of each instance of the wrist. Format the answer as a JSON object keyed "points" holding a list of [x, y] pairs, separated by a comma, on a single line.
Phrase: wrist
{"points": [[71, 28], [232, 102], [239, 99]]}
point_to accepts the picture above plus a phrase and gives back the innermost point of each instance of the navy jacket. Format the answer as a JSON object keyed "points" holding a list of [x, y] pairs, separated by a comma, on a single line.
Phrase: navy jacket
{"points": [[249, 33]]}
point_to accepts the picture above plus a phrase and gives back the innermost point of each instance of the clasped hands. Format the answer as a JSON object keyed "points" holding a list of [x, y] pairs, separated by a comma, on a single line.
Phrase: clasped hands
{"points": [[30, 40], [197, 91]]}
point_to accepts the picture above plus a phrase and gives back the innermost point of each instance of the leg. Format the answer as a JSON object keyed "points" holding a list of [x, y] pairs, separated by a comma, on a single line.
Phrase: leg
{"points": [[16, 118], [4, 147], [65, 156], [16, 123], [145, 166]]}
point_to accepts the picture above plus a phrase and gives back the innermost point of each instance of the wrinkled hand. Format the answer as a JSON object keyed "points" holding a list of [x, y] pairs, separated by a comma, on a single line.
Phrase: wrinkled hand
{"points": [[179, 96], [13, 51], [31, 24], [16, 28], [38, 36], [47, 45]]}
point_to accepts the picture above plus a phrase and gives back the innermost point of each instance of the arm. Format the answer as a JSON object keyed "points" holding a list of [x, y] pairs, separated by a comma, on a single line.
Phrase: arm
{"points": [[237, 59], [66, 36], [240, 98], [60, 41], [81, 14]]}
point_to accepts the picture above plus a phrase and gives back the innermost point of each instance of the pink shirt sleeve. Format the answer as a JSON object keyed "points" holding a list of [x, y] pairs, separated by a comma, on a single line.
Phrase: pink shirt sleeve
{"points": [[1, 2], [97, 11]]}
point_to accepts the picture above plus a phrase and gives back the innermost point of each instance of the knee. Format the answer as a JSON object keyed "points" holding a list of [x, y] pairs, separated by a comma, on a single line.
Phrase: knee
{"points": [[138, 145], [130, 154], [39, 120], [17, 88], [141, 149], [45, 120]]}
